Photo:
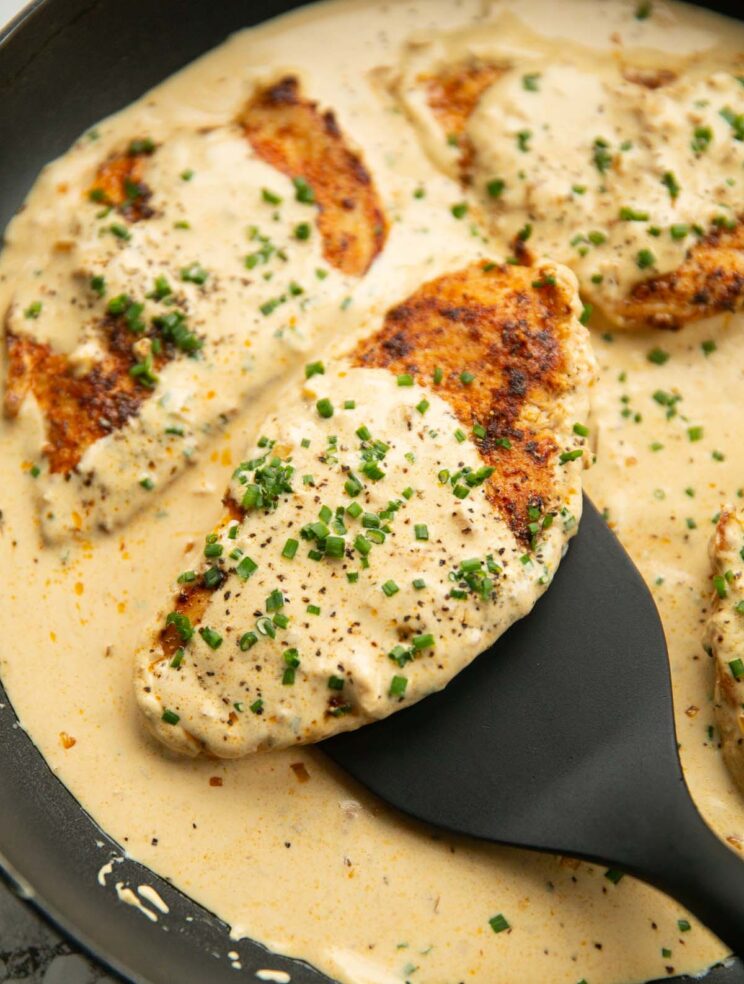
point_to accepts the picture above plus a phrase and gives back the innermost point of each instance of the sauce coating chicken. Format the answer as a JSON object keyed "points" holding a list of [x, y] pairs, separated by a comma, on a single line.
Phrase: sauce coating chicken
{"points": [[400, 510], [637, 188], [174, 310]]}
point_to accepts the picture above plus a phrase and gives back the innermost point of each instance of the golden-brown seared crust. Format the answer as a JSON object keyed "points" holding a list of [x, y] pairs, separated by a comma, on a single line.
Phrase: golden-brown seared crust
{"points": [[294, 136], [119, 182], [649, 78], [78, 408], [193, 598], [453, 93], [710, 280], [80, 405], [493, 322], [192, 602]]}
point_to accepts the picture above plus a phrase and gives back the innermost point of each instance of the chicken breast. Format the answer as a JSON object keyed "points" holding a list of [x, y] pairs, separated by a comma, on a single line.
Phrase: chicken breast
{"points": [[637, 188], [184, 274], [404, 504], [725, 636]]}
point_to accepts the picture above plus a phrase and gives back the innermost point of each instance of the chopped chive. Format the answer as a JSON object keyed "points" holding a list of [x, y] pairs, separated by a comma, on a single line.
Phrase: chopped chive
{"points": [[194, 273], [33, 310], [719, 583], [570, 455], [423, 641], [581, 429], [257, 706], [247, 641], [212, 638], [405, 379], [245, 568], [419, 584], [324, 408], [398, 686], [645, 259], [613, 875], [98, 285], [335, 546], [313, 609], [389, 588], [421, 531], [498, 923], [438, 375], [271, 197], [290, 548], [182, 624], [170, 717], [671, 184], [495, 187], [658, 356], [628, 214], [303, 191], [336, 683], [177, 658]]}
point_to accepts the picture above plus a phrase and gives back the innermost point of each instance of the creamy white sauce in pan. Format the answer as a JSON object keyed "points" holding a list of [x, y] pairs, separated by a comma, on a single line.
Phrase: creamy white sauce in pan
{"points": [[281, 845]]}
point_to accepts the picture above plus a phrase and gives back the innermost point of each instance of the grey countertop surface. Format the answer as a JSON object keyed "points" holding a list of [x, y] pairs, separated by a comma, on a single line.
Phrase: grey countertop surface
{"points": [[33, 953]]}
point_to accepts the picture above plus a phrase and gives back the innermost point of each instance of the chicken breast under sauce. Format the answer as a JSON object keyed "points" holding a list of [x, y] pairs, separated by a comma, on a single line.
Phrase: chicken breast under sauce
{"points": [[627, 168], [402, 507], [187, 269]]}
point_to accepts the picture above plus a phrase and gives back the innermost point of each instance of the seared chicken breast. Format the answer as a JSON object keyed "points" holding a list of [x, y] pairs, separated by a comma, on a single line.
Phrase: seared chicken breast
{"points": [[184, 273], [725, 636], [406, 502], [630, 175]]}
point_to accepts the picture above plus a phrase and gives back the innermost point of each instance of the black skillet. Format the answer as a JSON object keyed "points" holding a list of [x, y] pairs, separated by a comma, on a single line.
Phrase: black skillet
{"points": [[63, 65]]}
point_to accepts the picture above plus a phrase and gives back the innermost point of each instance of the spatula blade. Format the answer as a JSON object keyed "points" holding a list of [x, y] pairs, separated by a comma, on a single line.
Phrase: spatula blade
{"points": [[538, 736]]}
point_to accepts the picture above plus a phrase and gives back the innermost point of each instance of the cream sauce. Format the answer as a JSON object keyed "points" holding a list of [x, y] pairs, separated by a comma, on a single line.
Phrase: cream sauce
{"points": [[297, 644], [373, 895]]}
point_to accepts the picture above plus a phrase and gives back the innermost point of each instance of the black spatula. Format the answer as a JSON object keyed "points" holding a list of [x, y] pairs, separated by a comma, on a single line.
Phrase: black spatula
{"points": [[561, 738]]}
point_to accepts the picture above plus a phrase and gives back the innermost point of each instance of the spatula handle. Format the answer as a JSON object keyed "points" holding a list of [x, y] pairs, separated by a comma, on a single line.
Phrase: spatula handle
{"points": [[696, 868]]}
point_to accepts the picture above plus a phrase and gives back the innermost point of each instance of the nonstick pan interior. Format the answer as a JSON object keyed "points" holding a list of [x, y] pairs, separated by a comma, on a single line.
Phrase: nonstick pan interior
{"points": [[63, 65]]}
